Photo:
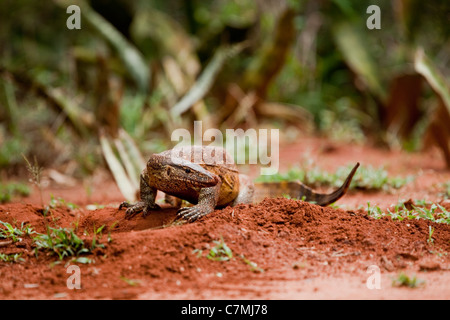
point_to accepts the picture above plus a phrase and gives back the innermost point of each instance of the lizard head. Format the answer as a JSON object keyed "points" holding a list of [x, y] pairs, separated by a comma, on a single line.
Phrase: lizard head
{"points": [[175, 171]]}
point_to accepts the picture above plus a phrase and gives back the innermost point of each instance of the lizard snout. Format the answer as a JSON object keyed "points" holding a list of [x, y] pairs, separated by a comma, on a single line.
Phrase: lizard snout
{"points": [[195, 174], [205, 177], [215, 180]]}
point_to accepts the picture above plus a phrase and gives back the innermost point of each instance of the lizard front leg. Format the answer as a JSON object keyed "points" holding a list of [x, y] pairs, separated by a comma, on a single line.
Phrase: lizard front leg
{"points": [[207, 201], [147, 195]]}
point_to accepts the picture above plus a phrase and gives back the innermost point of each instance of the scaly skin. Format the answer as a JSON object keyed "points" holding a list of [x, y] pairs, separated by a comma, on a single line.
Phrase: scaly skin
{"points": [[213, 181]]}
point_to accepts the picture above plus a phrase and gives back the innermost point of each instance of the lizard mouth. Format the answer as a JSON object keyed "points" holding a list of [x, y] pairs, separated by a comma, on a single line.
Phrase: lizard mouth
{"points": [[201, 177], [194, 174]]}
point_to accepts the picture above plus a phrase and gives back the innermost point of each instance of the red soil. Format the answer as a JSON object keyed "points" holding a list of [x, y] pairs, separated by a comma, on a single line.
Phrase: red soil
{"points": [[301, 250]]}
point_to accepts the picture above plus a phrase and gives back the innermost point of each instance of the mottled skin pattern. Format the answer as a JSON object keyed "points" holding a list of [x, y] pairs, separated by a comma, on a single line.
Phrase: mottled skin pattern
{"points": [[208, 178]]}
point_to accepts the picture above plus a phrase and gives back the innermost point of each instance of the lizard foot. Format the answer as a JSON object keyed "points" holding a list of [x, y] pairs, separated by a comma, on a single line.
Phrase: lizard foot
{"points": [[192, 213], [132, 209]]}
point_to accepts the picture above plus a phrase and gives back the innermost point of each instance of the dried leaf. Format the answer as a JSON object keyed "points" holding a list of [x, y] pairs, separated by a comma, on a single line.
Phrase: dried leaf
{"points": [[402, 110], [128, 53], [272, 58], [124, 184], [206, 79], [133, 174], [132, 149], [152, 28], [356, 54]]}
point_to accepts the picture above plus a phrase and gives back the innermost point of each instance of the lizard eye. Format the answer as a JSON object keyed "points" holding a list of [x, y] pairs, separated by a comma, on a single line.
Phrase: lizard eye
{"points": [[187, 170], [168, 171]]}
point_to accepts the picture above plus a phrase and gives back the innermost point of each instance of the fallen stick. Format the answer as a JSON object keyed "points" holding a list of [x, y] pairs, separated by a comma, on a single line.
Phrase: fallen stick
{"points": [[5, 243]]}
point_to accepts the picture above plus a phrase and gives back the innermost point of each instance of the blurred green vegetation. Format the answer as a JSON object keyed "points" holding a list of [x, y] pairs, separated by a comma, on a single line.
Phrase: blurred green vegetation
{"points": [[148, 67], [366, 178], [8, 191]]}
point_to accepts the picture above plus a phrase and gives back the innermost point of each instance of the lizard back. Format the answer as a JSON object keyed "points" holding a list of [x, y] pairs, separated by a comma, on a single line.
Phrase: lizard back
{"points": [[215, 160]]}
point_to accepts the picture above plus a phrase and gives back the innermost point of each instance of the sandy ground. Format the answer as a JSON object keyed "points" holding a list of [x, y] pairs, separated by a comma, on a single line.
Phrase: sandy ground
{"points": [[302, 251]]}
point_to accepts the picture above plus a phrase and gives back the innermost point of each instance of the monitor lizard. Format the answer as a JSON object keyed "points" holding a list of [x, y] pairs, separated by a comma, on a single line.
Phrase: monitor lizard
{"points": [[208, 177]]}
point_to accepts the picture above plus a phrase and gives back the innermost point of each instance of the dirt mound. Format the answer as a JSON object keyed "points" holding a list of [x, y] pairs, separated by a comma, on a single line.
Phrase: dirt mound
{"points": [[154, 253]]}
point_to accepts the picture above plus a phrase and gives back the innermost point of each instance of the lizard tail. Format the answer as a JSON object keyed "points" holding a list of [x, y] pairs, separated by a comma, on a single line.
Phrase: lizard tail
{"points": [[298, 190], [325, 199]]}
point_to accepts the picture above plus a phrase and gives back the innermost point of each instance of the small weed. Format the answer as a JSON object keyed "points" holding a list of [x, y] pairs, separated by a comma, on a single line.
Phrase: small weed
{"points": [[131, 282], [14, 233], [287, 196], [97, 232], [253, 266], [57, 203], [83, 260], [430, 235], [374, 211], [419, 209], [446, 190], [36, 173], [76, 224], [220, 252], [60, 202], [110, 228], [62, 242], [16, 257], [403, 280], [199, 252], [336, 206], [419, 202], [95, 206]]}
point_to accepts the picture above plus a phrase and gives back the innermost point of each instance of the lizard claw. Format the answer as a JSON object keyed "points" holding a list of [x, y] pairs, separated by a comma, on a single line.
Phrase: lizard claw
{"points": [[191, 213], [124, 205], [138, 207]]}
